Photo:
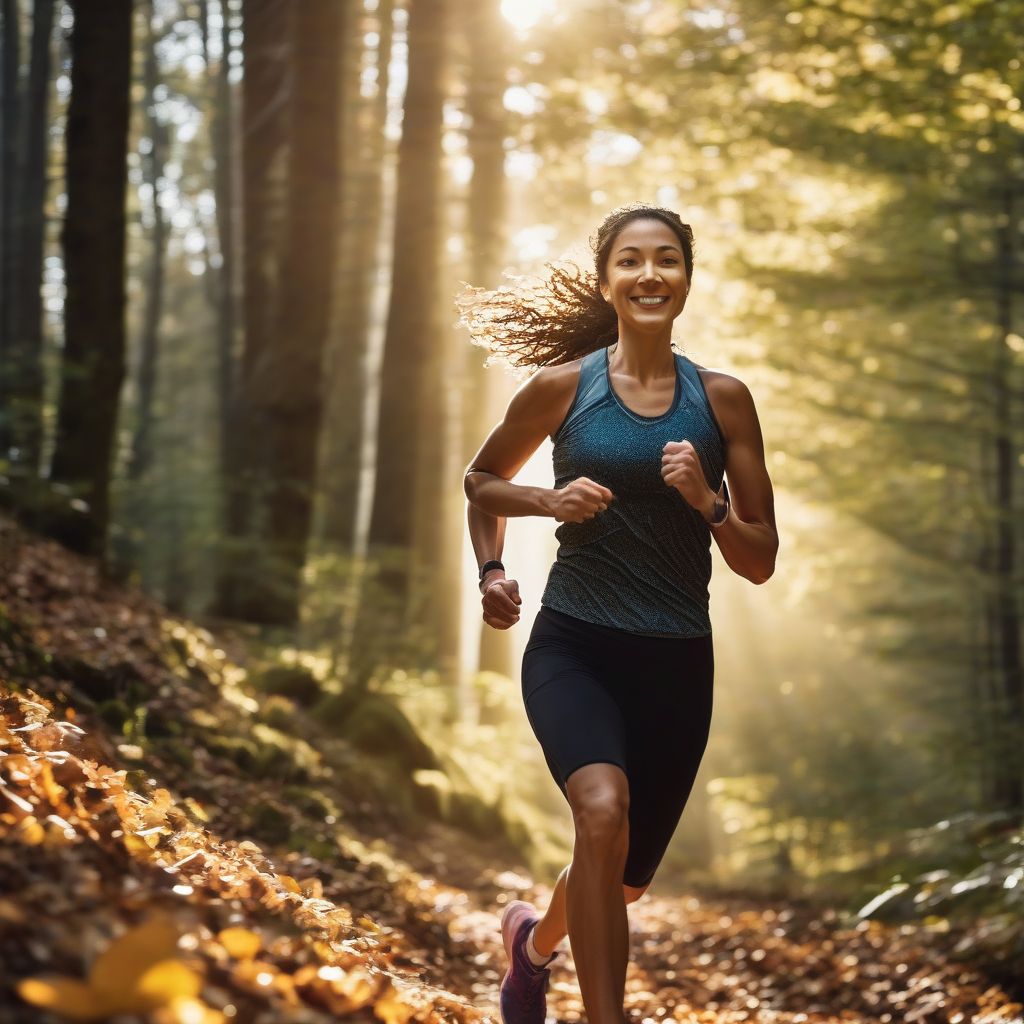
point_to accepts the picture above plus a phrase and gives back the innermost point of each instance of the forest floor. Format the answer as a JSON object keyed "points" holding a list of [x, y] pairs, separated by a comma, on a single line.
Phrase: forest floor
{"points": [[131, 888]]}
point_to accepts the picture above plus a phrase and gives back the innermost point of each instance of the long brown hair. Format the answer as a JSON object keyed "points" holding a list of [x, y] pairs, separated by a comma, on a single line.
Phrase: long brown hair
{"points": [[561, 316]]}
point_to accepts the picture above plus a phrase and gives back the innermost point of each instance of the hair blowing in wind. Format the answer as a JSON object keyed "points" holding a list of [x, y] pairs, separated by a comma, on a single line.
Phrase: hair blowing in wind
{"points": [[560, 316]]}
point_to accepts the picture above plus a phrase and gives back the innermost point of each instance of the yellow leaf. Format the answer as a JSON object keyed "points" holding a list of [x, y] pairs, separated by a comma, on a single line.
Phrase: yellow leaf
{"points": [[62, 995], [29, 831], [240, 942], [167, 981], [126, 959], [253, 968], [289, 883], [137, 847], [52, 790], [191, 1011], [390, 1009], [196, 809]]}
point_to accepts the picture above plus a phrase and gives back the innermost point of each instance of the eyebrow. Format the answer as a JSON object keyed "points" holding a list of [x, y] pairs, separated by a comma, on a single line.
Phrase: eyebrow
{"points": [[626, 248]]}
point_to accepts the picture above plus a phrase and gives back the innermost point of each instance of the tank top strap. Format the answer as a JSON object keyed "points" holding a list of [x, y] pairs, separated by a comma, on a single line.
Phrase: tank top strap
{"points": [[591, 372], [691, 377]]}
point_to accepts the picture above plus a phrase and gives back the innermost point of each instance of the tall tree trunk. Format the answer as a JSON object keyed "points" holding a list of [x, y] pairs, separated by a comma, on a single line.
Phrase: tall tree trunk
{"points": [[1011, 672], [410, 373], [223, 278], [982, 700], [149, 343], [92, 368], [10, 53], [25, 361], [265, 108], [357, 283], [365, 623], [484, 390], [287, 384]]}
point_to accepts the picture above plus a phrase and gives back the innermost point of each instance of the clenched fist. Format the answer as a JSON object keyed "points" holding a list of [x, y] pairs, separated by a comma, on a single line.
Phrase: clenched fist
{"points": [[681, 469], [501, 603], [579, 500]]}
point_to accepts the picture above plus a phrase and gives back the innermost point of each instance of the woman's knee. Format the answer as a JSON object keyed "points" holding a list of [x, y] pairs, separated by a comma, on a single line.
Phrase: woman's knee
{"points": [[599, 798]]}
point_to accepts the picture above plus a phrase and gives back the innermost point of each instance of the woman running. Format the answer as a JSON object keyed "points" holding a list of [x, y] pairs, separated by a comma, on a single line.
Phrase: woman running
{"points": [[617, 675]]}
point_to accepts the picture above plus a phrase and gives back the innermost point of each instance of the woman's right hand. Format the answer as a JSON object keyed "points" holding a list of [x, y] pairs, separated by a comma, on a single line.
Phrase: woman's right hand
{"points": [[501, 602], [579, 500]]}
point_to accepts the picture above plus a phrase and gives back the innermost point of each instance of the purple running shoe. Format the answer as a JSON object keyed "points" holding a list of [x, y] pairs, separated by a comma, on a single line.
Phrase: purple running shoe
{"points": [[523, 991]]}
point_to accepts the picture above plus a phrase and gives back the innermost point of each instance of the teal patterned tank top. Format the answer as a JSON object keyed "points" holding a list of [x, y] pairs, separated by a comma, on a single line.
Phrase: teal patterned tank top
{"points": [[643, 565]]}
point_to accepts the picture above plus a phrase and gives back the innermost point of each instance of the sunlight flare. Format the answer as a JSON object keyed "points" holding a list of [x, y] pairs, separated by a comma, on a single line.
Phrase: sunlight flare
{"points": [[524, 14]]}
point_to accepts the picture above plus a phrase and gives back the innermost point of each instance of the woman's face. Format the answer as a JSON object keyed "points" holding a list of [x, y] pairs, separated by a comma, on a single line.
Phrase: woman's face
{"points": [[645, 263]]}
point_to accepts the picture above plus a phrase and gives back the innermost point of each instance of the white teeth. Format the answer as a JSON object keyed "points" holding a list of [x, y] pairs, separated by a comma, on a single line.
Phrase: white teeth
{"points": [[650, 300]]}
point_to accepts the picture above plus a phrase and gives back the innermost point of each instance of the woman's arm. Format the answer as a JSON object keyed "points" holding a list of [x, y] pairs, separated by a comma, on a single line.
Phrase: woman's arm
{"points": [[748, 539], [537, 407]]}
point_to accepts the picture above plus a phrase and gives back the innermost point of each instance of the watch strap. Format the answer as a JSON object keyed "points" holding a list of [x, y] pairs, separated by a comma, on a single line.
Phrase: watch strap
{"points": [[725, 506], [491, 563]]}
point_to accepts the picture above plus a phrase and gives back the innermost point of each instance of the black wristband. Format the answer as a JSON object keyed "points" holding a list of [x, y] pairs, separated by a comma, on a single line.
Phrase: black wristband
{"points": [[491, 563]]}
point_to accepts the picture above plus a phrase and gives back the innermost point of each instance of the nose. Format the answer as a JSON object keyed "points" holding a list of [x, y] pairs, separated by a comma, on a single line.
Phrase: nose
{"points": [[649, 272]]}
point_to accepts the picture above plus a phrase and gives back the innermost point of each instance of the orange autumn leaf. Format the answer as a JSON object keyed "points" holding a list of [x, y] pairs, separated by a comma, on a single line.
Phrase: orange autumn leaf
{"points": [[67, 996], [390, 1008], [160, 985], [165, 982], [130, 956], [136, 973], [240, 943], [312, 887]]}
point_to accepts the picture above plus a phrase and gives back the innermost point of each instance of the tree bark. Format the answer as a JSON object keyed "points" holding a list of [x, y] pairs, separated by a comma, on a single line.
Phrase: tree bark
{"points": [[25, 362], [359, 268], [413, 334], [10, 52], [223, 149], [486, 251], [92, 368], [1011, 781], [287, 383], [149, 343], [265, 107]]}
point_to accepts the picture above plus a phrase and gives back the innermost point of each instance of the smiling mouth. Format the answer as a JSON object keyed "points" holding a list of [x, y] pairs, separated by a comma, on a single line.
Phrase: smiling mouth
{"points": [[649, 300]]}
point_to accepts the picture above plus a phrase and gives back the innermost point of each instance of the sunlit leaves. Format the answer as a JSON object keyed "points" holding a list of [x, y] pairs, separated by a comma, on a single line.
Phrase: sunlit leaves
{"points": [[138, 972], [328, 958]]}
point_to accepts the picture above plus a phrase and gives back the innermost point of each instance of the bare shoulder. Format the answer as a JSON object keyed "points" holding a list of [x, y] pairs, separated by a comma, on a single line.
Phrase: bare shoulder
{"points": [[729, 397], [553, 389]]}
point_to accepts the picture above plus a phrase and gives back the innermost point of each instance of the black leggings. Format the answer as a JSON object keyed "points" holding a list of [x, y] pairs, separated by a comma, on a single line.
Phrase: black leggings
{"points": [[596, 693]]}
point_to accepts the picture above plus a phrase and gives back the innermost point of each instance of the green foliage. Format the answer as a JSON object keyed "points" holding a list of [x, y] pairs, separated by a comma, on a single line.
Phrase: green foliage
{"points": [[335, 709], [293, 681], [968, 870], [278, 712], [22, 658], [375, 725], [310, 801], [267, 822], [177, 751], [115, 713]]}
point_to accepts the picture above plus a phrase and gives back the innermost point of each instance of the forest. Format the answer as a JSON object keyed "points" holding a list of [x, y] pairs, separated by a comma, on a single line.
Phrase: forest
{"points": [[261, 759]]}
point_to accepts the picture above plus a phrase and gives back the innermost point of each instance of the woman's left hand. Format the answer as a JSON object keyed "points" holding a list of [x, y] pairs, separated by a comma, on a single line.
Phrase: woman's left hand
{"points": [[681, 469]]}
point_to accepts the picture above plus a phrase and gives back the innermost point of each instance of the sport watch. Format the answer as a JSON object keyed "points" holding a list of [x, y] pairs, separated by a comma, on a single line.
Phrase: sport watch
{"points": [[720, 510], [491, 563]]}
